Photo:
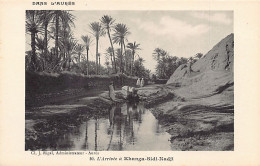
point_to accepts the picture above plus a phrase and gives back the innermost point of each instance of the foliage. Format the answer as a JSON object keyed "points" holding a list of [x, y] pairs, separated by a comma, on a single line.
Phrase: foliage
{"points": [[97, 31], [55, 49], [119, 37], [87, 41], [107, 23], [139, 70], [166, 64], [133, 47]]}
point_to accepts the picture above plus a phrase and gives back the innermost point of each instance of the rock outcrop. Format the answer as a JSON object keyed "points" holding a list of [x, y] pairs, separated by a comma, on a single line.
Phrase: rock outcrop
{"points": [[210, 75], [219, 58], [204, 117]]}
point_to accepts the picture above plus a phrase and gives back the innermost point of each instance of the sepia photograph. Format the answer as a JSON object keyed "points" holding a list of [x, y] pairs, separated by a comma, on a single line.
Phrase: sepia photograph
{"points": [[129, 80]]}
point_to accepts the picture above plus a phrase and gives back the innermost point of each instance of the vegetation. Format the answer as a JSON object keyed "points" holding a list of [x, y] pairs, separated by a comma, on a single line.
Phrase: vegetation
{"points": [[133, 47], [97, 32], [54, 47], [119, 37], [107, 22], [167, 64], [87, 41]]}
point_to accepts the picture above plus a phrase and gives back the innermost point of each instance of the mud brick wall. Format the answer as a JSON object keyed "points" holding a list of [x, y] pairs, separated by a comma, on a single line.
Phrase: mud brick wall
{"points": [[44, 88], [39, 83]]}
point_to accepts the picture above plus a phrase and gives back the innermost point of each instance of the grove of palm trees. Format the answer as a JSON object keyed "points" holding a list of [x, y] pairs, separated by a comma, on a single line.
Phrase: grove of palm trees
{"points": [[54, 48]]}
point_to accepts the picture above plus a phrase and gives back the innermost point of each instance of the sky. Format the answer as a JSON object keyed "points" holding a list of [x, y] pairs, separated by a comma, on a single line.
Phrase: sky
{"points": [[181, 33]]}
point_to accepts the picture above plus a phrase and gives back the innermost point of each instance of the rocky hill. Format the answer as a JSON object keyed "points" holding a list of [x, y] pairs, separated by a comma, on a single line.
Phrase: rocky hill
{"points": [[200, 113], [209, 76]]}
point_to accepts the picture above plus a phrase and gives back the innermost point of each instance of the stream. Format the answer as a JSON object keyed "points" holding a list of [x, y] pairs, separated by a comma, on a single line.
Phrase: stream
{"points": [[126, 127]]}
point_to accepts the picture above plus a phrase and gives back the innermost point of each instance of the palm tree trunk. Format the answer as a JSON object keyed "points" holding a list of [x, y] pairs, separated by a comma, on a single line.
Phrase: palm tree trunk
{"points": [[33, 58], [45, 39], [87, 63], [132, 63], [43, 61], [113, 52], [99, 65], [33, 43], [121, 57], [125, 67], [79, 61], [69, 58], [64, 37], [96, 55], [111, 58], [56, 35]]}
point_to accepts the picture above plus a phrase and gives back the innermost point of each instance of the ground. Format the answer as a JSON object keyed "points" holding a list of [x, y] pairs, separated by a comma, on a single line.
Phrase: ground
{"points": [[205, 123], [194, 124]]}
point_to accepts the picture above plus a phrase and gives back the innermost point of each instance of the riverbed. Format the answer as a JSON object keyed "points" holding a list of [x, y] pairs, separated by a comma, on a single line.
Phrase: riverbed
{"points": [[123, 127]]}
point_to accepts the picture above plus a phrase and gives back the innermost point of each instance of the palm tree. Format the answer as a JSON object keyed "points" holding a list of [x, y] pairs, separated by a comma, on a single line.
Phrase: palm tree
{"points": [[128, 59], [133, 47], [69, 45], [71, 48], [66, 44], [40, 45], [79, 49], [97, 31], [67, 20], [45, 17], [141, 61], [119, 36], [33, 27], [87, 40], [109, 52], [157, 53], [107, 22], [118, 58], [56, 18], [99, 66], [164, 53]]}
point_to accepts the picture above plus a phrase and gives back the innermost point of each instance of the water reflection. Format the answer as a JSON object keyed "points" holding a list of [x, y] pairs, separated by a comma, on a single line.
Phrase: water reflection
{"points": [[126, 127]]}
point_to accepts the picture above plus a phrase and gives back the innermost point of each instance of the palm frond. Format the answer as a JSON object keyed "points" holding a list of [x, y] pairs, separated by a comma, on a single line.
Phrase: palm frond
{"points": [[40, 43], [79, 48], [67, 18], [96, 29], [120, 33], [87, 40], [33, 23], [107, 21]]}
